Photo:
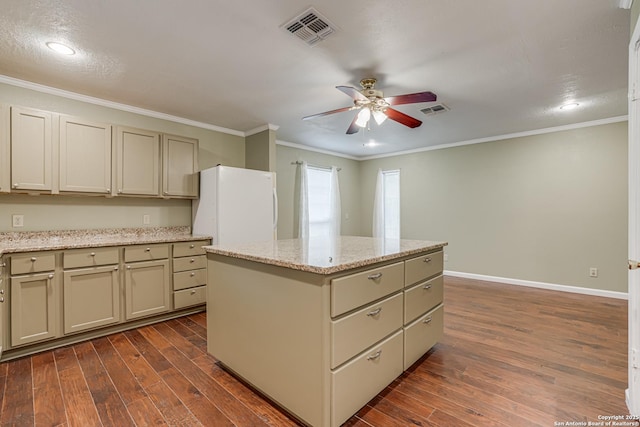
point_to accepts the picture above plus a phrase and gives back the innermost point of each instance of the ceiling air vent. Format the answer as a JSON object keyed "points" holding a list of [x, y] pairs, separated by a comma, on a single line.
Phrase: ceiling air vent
{"points": [[310, 27], [435, 109]]}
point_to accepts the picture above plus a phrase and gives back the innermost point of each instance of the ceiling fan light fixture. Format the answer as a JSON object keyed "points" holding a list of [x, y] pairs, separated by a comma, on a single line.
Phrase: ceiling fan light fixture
{"points": [[363, 117], [379, 117]]}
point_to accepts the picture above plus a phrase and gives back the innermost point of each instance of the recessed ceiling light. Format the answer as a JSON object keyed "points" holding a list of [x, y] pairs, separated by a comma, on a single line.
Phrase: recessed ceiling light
{"points": [[569, 106], [60, 48]]}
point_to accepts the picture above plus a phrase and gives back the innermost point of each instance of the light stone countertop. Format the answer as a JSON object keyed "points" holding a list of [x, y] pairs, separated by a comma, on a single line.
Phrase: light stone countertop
{"points": [[31, 241], [325, 255]]}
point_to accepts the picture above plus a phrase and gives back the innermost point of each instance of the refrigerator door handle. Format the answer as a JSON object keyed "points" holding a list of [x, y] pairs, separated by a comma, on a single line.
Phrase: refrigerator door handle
{"points": [[275, 209]]}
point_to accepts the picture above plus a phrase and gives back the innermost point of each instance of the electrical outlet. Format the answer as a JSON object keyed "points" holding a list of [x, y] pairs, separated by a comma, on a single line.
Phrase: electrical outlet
{"points": [[146, 219], [593, 272], [17, 220]]}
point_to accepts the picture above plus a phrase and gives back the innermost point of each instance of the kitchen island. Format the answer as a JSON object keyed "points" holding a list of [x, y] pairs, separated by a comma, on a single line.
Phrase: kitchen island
{"points": [[321, 326]]}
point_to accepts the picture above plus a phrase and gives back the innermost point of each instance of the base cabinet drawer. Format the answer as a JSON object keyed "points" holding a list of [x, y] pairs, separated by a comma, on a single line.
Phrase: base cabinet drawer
{"points": [[35, 262], [189, 263], [146, 252], [422, 334], [422, 298], [357, 331], [189, 297], [89, 257], [189, 279], [422, 267], [362, 378], [189, 248]]}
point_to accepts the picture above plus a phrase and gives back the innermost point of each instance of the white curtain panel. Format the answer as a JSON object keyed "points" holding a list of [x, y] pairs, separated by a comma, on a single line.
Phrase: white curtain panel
{"points": [[303, 225], [378, 207], [336, 214]]}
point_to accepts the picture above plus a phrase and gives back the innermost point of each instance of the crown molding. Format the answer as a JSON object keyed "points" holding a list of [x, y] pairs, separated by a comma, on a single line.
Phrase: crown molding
{"points": [[316, 150], [262, 128]]}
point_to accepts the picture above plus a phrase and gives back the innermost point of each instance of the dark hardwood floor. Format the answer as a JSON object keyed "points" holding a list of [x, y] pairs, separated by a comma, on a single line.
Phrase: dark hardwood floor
{"points": [[511, 356]]}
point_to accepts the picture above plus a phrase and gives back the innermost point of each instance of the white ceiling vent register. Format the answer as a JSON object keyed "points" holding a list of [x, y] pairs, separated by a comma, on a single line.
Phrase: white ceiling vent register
{"points": [[435, 109], [310, 27]]}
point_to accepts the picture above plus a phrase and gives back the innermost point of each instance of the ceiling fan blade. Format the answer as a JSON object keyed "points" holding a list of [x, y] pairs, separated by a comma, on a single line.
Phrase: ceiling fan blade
{"points": [[411, 98], [326, 113], [352, 92], [353, 127], [402, 118]]}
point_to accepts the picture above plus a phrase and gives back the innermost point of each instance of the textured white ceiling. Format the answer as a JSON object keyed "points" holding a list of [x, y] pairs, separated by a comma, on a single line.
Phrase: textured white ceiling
{"points": [[502, 66]]}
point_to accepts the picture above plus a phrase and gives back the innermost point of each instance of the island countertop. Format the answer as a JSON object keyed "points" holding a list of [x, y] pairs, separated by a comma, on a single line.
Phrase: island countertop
{"points": [[326, 255], [31, 241]]}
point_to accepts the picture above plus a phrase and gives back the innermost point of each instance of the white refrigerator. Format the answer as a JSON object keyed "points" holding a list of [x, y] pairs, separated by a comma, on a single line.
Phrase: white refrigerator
{"points": [[236, 205]]}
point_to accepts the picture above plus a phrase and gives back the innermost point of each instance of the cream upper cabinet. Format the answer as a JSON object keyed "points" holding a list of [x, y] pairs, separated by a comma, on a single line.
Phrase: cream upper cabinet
{"points": [[31, 149], [137, 162], [5, 152], [85, 156], [179, 166]]}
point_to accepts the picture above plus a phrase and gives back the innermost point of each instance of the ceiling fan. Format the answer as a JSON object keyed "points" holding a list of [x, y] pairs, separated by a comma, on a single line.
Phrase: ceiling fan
{"points": [[371, 102]]}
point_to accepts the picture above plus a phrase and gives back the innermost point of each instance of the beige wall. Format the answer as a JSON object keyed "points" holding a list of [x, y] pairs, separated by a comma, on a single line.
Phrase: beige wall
{"points": [[541, 208], [635, 12], [68, 212], [287, 176], [260, 151]]}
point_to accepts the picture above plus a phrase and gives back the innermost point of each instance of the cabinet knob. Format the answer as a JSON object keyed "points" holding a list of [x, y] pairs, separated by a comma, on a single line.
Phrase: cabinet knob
{"points": [[1, 299], [120, 190], [92, 254], [374, 276], [147, 249], [128, 267], [192, 260], [108, 190], [1, 291], [426, 287], [192, 274], [427, 320], [192, 246], [427, 259], [116, 268], [51, 276], [15, 185], [375, 355], [33, 259], [193, 292], [165, 193]]}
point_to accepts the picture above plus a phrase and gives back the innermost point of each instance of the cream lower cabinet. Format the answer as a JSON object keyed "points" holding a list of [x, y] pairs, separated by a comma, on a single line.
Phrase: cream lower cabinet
{"points": [[3, 281], [189, 274], [34, 308], [322, 346], [147, 283]]}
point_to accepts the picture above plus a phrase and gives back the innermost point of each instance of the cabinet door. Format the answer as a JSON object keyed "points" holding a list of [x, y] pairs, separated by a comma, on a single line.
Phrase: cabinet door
{"points": [[5, 152], [3, 279], [147, 288], [138, 162], [91, 298], [31, 149], [85, 156], [179, 166], [34, 312]]}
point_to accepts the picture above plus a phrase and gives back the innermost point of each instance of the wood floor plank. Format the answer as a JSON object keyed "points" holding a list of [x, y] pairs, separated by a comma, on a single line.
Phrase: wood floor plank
{"points": [[79, 406], [47, 394], [137, 364], [105, 396], [17, 406], [173, 410], [145, 414]]}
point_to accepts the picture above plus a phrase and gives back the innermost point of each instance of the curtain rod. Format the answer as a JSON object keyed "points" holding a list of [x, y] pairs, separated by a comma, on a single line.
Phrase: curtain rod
{"points": [[298, 162]]}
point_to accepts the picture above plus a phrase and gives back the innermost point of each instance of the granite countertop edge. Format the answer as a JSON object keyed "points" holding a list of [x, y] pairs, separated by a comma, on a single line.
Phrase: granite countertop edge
{"points": [[301, 266], [34, 241]]}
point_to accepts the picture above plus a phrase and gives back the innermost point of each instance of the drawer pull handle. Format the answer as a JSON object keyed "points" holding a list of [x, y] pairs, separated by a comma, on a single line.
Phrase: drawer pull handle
{"points": [[192, 274], [375, 355], [427, 320], [375, 312], [427, 287], [92, 254], [374, 276], [33, 259], [192, 246], [192, 260], [427, 259]]}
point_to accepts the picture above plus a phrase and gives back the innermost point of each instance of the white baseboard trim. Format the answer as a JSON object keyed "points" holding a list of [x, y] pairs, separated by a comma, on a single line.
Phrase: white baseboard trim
{"points": [[541, 285]]}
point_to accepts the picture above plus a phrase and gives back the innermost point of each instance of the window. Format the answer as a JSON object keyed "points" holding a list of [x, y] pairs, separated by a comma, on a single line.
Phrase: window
{"points": [[320, 202], [386, 214]]}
